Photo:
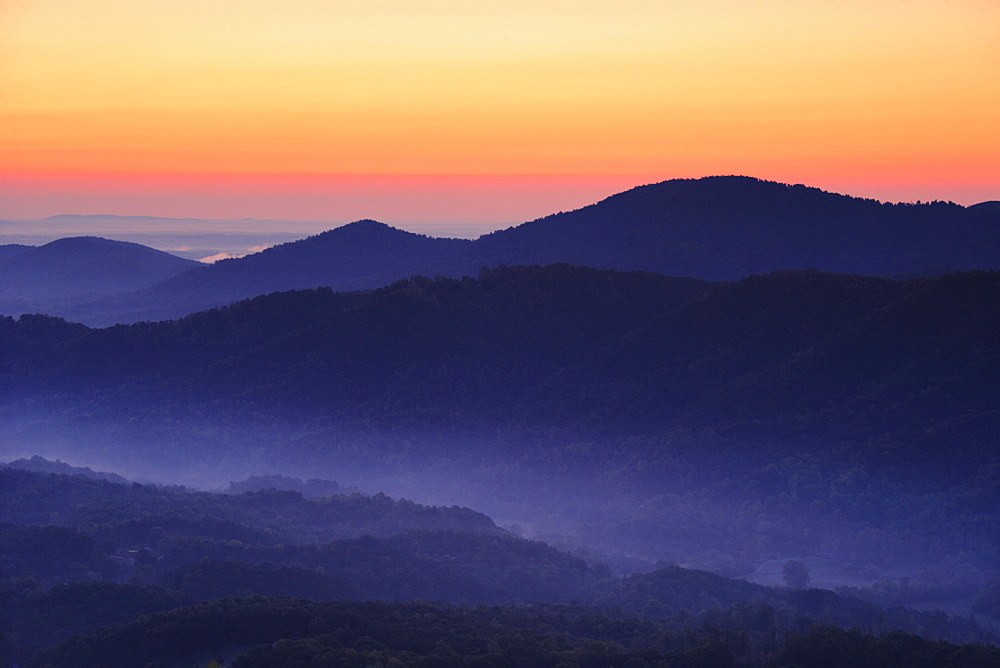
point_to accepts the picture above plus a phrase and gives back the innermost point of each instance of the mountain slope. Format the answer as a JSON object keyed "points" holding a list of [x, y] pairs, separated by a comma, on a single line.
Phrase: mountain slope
{"points": [[715, 228], [562, 345], [800, 352], [648, 415], [363, 254], [727, 227], [81, 265]]}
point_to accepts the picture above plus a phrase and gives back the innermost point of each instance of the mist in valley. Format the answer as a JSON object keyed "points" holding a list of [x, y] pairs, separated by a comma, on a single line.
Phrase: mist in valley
{"points": [[635, 504]]}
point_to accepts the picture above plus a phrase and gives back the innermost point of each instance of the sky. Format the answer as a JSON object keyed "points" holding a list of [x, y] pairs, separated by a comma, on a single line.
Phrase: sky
{"points": [[484, 114]]}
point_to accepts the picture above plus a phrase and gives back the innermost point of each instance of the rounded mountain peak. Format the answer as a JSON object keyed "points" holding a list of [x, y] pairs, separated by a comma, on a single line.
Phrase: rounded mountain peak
{"points": [[364, 227]]}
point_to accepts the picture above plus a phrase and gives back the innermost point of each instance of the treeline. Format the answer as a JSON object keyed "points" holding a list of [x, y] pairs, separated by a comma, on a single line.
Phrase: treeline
{"points": [[311, 487], [713, 424], [63, 581], [781, 356], [127, 514], [455, 567], [293, 632], [42, 465]]}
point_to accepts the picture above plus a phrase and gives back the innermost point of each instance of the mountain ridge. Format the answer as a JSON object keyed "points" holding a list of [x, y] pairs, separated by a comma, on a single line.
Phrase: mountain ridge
{"points": [[841, 403], [561, 344], [728, 227], [359, 255], [76, 266], [713, 228]]}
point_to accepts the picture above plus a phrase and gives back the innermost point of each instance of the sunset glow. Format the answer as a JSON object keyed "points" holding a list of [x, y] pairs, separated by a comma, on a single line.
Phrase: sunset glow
{"points": [[492, 112]]}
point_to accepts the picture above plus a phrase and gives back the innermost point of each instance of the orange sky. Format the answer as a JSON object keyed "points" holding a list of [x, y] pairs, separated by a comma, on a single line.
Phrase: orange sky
{"points": [[484, 111]]}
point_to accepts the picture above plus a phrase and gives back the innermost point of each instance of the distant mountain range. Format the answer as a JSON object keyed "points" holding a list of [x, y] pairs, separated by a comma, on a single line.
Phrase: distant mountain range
{"points": [[715, 228]]}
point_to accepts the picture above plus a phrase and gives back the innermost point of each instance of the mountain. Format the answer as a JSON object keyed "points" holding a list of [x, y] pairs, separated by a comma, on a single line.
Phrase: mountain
{"points": [[363, 254], [806, 352], [992, 206], [266, 516], [82, 265], [561, 345], [451, 338], [226, 565], [42, 465], [715, 228], [360, 255], [787, 414], [728, 227], [214, 561]]}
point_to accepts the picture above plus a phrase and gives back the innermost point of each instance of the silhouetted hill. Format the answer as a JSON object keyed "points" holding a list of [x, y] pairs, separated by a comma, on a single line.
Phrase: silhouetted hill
{"points": [[42, 465], [433, 342], [990, 207], [727, 227], [82, 265], [127, 512], [716, 228], [34, 334], [363, 254], [313, 487], [67, 542]]}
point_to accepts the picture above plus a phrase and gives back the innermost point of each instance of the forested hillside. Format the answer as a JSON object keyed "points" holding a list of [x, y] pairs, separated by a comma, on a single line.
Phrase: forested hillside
{"points": [[776, 356], [129, 512], [99, 554], [643, 417]]}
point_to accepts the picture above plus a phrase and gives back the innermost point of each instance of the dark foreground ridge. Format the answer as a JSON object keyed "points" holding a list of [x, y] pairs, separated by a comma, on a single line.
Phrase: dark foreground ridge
{"points": [[108, 574], [275, 632]]}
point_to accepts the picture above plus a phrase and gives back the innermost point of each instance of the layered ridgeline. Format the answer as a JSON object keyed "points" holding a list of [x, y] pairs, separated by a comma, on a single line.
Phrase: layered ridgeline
{"points": [[711, 424], [79, 554], [716, 228], [780, 355]]}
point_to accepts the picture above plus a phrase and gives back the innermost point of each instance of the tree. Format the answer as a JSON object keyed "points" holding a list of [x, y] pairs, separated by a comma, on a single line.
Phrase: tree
{"points": [[795, 574], [318, 626]]}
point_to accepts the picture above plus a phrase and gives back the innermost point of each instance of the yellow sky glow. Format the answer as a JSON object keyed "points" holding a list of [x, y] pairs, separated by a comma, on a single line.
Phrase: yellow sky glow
{"points": [[847, 92]]}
